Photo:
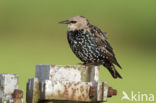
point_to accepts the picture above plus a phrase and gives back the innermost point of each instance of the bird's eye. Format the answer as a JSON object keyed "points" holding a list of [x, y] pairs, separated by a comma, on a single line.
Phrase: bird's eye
{"points": [[73, 22]]}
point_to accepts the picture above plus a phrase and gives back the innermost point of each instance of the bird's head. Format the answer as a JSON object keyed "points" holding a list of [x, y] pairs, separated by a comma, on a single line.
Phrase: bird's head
{"points": [[76, 23]]}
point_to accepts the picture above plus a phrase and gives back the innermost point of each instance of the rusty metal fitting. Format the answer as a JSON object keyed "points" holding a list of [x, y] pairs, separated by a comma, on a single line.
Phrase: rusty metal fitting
{"points": [[111, 92], [17, 97], [17, 94], [92, 91], [67, 83]]}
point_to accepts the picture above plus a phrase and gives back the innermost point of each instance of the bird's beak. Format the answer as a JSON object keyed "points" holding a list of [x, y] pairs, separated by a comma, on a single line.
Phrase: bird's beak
{"points": [[65, 22]]}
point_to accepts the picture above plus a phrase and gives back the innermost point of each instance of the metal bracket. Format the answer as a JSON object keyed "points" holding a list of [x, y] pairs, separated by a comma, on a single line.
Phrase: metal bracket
{"points": [[67, 83], [9, 92]]}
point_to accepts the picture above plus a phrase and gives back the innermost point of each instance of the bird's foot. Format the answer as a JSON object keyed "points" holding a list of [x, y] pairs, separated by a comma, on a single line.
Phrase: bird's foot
{"points": [[88, 64]]}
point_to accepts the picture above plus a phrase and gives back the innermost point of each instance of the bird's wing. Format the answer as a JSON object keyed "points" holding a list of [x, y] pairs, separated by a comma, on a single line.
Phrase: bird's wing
{"points": [[101, 41]]}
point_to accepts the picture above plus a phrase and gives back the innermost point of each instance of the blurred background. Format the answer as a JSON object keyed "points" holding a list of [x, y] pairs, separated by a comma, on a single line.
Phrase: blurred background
{"points": [[30, 35]]}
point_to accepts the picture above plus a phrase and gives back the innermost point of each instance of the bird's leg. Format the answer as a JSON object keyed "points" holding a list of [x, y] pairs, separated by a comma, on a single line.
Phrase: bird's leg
{"points": [[88, 64]]}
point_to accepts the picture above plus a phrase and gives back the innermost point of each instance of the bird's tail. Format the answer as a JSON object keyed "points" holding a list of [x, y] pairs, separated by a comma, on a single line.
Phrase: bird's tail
{"points": [[113, 71]]}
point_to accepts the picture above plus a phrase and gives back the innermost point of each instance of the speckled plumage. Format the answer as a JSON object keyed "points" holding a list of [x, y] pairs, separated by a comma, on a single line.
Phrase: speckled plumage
{"points": [[91, 46]]}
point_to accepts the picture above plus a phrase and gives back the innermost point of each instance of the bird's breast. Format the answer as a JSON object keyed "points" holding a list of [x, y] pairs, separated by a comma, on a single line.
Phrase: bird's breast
{"points": [[82, 45], [78, 38]]}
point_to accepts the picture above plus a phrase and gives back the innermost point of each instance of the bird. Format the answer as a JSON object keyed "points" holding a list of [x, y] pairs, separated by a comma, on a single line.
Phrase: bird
{"points": [[90, 44]]}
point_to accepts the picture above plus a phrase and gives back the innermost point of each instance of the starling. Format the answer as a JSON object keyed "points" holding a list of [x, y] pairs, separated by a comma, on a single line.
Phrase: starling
{"points": [[90, 44]]}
